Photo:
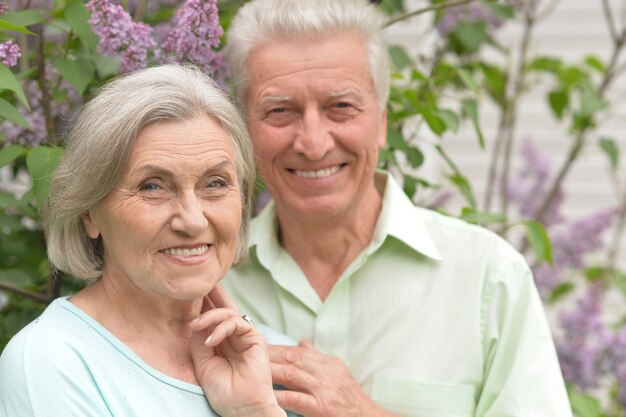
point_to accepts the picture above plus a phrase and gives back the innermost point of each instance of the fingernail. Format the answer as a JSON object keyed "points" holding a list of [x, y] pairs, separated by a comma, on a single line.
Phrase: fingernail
{"points": [[195, 321], [208, 339]]}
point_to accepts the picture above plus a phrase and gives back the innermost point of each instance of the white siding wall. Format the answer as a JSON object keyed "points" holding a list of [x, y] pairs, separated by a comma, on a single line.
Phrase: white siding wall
{"points": [[575, 29]]}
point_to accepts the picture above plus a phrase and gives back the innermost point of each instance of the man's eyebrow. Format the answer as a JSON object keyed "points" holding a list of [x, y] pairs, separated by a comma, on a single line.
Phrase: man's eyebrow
{"points": [[343, 93], [276, 99]]}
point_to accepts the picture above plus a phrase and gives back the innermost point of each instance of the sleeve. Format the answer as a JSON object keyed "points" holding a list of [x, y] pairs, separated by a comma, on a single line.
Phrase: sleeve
{"points": [[40, 379], [522, 376]]}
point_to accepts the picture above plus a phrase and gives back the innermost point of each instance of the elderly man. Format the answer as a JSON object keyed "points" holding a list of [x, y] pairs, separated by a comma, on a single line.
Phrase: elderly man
{"points": [[401, 311]]}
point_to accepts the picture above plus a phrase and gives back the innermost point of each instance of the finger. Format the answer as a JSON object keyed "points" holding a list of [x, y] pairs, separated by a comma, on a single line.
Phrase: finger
{"points": [[298, 402], [212, 318], [293, 378], [221, 299], [304, 358], [233, 327]]}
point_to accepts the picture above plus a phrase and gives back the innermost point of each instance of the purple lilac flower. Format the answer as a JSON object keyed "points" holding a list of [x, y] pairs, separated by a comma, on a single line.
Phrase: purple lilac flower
{"points": [[585, 339], [120, 36], [570, 246], [472, 12], [195, 35], [9, 53], [532, 183]]}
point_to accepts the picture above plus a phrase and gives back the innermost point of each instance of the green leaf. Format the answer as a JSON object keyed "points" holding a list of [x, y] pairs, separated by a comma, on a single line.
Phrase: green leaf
{"points": [[547, 64], [470, 110], [539, 241], [612, 151], [409, 185], [478, 217], [495, 82], [399, 57], [24, 17], [501, 10], [15, 276], [4, 25], [465, 188], [41, 161], [77, 17], [10, 113], [414, 156], [436, 124], [558, 100], [467, 79], [7, 200], [561, 291], [9, 82], [469, 36], [395, 138], [78, 72], [449, 118], [595, 63], [590, 103], [585, 405], [10, 154]]}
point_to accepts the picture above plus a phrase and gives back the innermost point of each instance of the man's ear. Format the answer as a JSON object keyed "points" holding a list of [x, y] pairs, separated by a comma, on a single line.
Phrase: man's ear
{"points": [[92, 229], [382, 134]]}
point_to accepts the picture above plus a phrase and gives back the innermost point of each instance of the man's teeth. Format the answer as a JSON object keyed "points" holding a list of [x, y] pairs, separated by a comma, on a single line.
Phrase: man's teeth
{"points": [[320, 173], [186, 252]]}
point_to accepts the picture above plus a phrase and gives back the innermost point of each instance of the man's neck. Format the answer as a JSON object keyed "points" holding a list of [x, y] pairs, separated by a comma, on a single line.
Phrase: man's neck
{"points": [[324, 248]]}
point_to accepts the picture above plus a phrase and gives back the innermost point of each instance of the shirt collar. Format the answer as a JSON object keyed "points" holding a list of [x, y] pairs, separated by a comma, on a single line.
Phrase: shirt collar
{"points": [[398, 218]]}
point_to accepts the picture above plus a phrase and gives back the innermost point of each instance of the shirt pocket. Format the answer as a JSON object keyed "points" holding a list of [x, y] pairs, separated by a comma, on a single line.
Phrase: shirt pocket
{"points": [[413, 398]]}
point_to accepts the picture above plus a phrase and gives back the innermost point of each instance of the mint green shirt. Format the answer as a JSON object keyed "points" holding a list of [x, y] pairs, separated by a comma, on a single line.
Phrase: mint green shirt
{"points": [[436, 317], [65, 364]]}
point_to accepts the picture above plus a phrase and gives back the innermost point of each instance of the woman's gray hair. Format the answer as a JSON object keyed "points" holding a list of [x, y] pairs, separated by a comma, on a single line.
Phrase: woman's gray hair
{"points": [[262, 21], [100, 143]]}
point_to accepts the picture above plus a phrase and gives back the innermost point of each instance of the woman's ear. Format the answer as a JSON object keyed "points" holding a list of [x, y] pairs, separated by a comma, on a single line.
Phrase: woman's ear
{"points": [[92, 229]]}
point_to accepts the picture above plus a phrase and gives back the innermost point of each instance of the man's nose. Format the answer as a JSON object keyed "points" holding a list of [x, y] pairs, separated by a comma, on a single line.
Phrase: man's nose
{"points": [[313, 138]]}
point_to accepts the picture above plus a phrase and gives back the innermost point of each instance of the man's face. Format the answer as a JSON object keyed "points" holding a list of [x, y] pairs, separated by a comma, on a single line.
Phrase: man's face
{"points": [[316, 125]]}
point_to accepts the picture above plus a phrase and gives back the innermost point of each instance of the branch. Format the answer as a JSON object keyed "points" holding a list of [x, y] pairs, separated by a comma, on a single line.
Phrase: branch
{"points": [[33, 295], [43, 86], [608, 14], [438, 6], [514, 97]]}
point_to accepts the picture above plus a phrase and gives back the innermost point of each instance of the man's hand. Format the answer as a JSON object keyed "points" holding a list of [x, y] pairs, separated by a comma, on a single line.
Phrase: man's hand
{"points": [[318, 385]]}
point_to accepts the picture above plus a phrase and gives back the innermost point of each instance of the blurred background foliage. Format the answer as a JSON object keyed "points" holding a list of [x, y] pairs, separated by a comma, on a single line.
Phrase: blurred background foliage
{"points": [[54, 55]]}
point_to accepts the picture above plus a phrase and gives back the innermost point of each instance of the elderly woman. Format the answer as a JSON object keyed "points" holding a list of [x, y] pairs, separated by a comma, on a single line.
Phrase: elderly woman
{"points": [[151, 205]]}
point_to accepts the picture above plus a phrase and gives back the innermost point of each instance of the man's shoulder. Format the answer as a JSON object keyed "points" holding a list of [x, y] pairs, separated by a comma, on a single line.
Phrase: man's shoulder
{"points": [[452, 234]]}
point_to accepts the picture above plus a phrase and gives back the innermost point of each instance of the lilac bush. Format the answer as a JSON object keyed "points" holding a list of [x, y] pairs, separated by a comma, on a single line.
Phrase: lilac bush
{"points": [[9, 53], [120, 36]]}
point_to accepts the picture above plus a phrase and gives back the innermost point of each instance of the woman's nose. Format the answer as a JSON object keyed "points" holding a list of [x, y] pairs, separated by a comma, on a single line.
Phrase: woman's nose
{"points": [[190, 217]]}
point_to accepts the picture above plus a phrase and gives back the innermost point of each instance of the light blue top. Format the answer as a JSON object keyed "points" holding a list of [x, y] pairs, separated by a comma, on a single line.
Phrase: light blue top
{"points": [[65, 364], [436, 317]]}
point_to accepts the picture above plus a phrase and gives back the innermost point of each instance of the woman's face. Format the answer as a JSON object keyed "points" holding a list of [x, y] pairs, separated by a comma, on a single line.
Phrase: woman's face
{"points": [[170, 225]]}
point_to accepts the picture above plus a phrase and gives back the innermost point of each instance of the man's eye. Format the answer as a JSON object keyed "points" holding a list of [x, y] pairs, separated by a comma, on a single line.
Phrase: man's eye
{"points": [[279, 110], [342, 105]]}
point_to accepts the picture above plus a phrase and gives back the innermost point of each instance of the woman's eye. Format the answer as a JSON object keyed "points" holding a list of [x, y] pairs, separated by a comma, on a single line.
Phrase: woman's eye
{"points": [[149, 186], [217, 183]]}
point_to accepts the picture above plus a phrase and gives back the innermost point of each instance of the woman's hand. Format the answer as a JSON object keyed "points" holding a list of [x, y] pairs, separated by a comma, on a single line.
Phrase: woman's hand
{"points": [[231, 360]]}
